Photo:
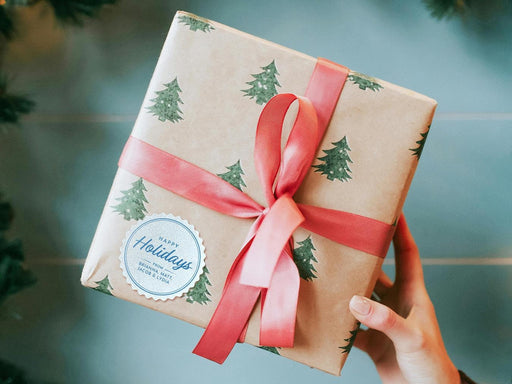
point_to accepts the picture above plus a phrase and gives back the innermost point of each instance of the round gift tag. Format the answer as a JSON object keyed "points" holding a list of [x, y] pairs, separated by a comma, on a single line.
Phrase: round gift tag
{"points": [[162, 256]]}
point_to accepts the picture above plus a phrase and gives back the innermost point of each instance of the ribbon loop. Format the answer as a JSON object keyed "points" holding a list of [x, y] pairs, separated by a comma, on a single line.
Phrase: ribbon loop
{"points": [[299, 150]]}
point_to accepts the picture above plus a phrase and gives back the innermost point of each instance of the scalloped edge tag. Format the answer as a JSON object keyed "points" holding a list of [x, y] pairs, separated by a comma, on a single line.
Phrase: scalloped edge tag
{"points": [[162, 257]]}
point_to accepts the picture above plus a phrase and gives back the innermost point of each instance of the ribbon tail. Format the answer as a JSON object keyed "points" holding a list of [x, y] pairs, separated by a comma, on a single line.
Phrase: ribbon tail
{"points": [[229, 320], [279, 305]]}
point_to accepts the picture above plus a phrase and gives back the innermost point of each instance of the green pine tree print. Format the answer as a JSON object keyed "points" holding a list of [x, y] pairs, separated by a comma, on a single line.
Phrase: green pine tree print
{"points": [[351, 339], [199, 293], [196, 23], [263, 87], [304, 259], [131, 204], [335, 162], [167, 103], [104, 286], [421, 143], [270, 349], [364, 81], [234, 175]]}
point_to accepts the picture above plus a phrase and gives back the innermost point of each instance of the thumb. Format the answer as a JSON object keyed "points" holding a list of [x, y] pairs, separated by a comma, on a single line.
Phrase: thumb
{"points": [[381, 318]]}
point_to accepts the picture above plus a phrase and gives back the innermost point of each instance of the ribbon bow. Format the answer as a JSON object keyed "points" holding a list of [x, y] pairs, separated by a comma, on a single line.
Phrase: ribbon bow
{"points": [[264, 267]]}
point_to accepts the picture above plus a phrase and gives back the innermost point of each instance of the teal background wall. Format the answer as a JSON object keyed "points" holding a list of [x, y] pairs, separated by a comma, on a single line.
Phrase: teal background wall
{"points": [[57, 167]]}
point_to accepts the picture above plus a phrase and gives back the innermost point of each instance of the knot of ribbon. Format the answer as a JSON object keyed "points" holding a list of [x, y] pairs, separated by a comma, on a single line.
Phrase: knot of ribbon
{"points": [[264, 268]]}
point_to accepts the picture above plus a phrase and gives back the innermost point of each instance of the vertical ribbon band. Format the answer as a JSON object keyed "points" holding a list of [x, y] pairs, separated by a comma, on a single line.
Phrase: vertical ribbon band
{"points": [[264, 268]]}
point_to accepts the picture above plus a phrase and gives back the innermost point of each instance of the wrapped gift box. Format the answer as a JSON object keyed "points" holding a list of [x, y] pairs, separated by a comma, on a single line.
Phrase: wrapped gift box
{"points": [[203, 102]]}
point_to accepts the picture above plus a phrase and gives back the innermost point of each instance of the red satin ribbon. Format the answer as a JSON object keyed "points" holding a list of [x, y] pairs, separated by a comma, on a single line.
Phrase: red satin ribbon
{"points": [[264, 267]]}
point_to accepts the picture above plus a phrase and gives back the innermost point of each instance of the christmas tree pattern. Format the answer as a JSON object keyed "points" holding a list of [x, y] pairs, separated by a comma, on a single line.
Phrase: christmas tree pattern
{"points": [[196, 23], [234, 175], [263, 87], [199, 293], [421, 143], [304, 258], [104, 286], [131, 205], [335, 162], [351, 339], [167, 103], [364, 81], [270, 349]]}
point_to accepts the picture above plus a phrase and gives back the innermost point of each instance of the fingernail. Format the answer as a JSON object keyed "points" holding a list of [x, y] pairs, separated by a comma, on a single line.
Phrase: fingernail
{"points": [[360, 305]]}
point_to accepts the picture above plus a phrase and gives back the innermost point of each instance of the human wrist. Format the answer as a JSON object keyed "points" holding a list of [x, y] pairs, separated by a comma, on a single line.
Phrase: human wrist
{"points": [[453, 374]]}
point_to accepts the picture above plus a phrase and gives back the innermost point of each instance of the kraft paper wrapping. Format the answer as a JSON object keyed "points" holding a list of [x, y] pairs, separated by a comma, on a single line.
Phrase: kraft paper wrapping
{"points": [[383, 124]]}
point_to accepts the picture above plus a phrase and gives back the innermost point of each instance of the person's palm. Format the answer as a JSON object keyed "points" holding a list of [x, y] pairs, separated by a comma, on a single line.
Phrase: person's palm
{"points": [[404, 340]]}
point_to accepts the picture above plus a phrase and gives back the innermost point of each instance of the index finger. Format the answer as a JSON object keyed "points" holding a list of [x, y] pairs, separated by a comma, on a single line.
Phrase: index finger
{"points": [[407, 257]]}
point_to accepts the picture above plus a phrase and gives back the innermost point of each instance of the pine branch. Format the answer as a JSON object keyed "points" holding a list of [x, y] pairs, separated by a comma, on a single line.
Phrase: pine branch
{"points": [[6, 24], [11, 374], [12, 106], [447, 8], [19, 3], [6, 215], [74, 11], [13, 276]]}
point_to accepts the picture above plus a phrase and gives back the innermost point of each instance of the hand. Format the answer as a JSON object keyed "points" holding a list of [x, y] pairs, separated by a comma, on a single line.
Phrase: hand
{"points": [[403, 339]]}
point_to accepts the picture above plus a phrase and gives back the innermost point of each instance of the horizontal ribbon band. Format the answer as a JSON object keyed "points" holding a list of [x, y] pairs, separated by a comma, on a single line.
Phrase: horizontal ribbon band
{"points": [[264, 267], [186, 179]]}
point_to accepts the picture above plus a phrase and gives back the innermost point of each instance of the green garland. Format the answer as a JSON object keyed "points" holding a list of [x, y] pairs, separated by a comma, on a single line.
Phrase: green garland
{"points": [[13, 275]]}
